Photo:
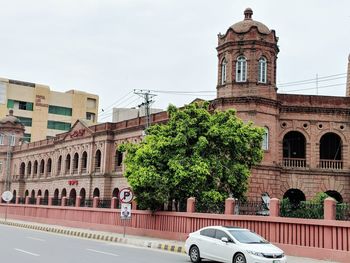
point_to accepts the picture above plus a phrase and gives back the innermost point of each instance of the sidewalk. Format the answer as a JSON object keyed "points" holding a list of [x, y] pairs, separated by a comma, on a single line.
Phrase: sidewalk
{"points": [[140, 241]]}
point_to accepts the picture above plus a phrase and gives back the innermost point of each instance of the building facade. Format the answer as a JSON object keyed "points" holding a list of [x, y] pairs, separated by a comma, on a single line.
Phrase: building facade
{"points": [[43, 112], [306, 143]]}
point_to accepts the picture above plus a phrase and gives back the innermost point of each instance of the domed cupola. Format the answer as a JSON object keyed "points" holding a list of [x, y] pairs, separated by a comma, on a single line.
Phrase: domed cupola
{"points": [[11, 129], [247, 56]]}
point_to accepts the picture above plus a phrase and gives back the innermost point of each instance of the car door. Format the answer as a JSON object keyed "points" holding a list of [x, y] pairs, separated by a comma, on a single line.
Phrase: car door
{"points": [[205, 244], [224, 251]]}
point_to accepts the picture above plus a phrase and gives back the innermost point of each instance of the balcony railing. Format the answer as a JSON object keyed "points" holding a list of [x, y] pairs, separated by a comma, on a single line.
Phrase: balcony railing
{"points": [[294, 162], [331, 164]]}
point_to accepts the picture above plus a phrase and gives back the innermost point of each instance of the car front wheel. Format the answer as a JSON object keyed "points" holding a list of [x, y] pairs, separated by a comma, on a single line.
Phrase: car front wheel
{"points": [[239, 258], [194, 254]]}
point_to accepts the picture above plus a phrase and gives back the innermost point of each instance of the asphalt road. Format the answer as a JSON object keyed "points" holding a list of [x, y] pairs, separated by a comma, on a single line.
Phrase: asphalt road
{"points": [[19, 245], [23, 245]]}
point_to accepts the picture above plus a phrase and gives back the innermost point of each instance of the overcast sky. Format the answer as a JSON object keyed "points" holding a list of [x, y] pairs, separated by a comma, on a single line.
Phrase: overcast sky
{"points": [[111, 47]]}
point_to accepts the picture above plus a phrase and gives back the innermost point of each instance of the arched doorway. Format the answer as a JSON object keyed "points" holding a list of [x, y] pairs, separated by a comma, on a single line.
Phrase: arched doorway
{"points": [[295, 196], [39, 193], [96, 192], [294, 149], [56, 200], [72, 197], [32, 197], [26, 193], [46, 197], [64, 192], [82, 195], [115, 193], [336, 195]]}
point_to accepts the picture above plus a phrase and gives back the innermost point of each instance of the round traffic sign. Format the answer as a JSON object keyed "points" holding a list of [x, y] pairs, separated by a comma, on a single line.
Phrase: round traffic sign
{"points": [[126, 195], [7, 196]]}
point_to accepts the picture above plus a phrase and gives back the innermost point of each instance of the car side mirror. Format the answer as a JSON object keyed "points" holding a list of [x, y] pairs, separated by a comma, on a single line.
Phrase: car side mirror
{"points": [[224, 239]]}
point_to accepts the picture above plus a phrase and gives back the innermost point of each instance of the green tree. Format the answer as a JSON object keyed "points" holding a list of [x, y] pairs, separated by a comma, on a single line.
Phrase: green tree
{"points": [[196, 153]]}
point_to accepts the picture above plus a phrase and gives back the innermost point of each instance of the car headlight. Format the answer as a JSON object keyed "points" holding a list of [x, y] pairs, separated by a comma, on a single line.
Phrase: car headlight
{"points": [[254, 253]]}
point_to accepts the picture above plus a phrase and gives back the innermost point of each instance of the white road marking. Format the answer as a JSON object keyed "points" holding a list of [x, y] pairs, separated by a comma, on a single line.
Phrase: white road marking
{"points": [[37, 239], [101, 252], [26, 252]]}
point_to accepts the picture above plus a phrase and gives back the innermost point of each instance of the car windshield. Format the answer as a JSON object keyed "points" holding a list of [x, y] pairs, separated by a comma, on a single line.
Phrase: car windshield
{"points": [[248, 237]]}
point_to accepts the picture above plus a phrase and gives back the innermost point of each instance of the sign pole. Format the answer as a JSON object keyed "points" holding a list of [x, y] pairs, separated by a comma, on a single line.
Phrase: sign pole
{"points": [[7, 203], [124, 228]]}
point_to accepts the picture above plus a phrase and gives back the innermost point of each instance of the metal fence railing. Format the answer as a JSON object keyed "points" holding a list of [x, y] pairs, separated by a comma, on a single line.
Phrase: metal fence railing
{"points": [[343, 211], [304, 209], [104, 203], [251, 208], [56, 201]]}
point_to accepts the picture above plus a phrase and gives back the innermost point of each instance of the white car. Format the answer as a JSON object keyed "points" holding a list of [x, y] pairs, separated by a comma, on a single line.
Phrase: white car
{"points": [[231, 244]]}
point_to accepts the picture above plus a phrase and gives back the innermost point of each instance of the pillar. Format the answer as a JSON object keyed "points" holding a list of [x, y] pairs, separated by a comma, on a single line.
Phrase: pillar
{"points": [[64, 201], [38, 200], [114, 202], [77, 201], [191, 205], [229, 206], [50, 201], [329, 209], [274, 207], [95, 202]]}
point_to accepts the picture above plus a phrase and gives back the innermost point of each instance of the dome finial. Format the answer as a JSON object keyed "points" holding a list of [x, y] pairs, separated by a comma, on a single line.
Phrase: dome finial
{"points": [[248, 13]]}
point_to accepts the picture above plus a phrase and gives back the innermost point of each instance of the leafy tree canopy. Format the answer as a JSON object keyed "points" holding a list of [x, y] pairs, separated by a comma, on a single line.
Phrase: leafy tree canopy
{"points": [[195, 154]]}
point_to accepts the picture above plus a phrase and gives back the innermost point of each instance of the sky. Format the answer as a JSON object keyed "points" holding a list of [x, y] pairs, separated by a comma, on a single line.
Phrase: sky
{"points": [[113, 47]]}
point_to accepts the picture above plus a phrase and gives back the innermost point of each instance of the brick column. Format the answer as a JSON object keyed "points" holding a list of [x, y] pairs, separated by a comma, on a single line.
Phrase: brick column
{"points": [[17, 200], [114, 203], [229, 206], [49, 203], [95, 202], [274, 207], [191, 205], [329, 209], [64, 201], [38, 199], [134, 205], [77, 201], [27, 200]]}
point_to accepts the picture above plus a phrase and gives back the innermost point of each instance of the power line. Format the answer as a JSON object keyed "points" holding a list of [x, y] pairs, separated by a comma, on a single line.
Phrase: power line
{"points": [[308, 80]]}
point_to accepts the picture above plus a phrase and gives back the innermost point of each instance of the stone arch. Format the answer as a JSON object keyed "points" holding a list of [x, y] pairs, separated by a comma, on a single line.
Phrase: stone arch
{"points": [[49, 166], [340, 134], [96, 192], [331, 146], [75, 162], [29, 169], [336, 195], [98, 160], [56, 193], [46, 196], [39, 192], [26, 193], [64, 192], [294, 195]]}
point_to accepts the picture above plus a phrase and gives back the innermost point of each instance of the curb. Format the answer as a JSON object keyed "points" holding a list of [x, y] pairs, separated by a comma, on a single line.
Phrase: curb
{"points": [[101, 237]]}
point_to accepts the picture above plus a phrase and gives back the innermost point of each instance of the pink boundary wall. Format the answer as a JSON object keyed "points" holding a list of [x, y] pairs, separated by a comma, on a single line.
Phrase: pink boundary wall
{"points": [[321, 239]]}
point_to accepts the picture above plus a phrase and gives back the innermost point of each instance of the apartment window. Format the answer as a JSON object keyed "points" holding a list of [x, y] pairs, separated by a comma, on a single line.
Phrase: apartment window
{"points": [[90, 116], [265, 143], [12, 140], [25, 121], [60, 110], [223, 71], [58, 125], [241, 69], [262, 70], [20, 105], [27, 137]]}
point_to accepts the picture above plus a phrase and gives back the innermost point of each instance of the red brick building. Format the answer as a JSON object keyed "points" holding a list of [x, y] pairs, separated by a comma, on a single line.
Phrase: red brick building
{"points": [[306, 143]]}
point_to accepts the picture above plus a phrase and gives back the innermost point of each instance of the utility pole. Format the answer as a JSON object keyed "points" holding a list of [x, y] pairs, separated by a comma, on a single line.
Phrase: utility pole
{"points": [[147, 96]]}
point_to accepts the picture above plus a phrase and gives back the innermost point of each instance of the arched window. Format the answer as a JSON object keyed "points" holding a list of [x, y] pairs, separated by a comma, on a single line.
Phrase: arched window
{"points": [[49, 166], [59, 165], [295, 196], [262, 70], [223, 71], [331, 151], [42, 167], [98, 161], [265, 143], [75, 162], [118, 159], [67, 171], [84, 163], [35, 168], [294, 149], [29, 168], [241, 69], [22, 170]]}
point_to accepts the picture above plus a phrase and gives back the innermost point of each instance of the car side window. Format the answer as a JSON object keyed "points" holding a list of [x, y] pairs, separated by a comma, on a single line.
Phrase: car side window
{"points": [[209, 232], [220, 234]]}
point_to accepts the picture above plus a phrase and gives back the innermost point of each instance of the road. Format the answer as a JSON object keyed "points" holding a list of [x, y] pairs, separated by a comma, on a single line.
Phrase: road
{"points": [[31, 246], [23, 245]]}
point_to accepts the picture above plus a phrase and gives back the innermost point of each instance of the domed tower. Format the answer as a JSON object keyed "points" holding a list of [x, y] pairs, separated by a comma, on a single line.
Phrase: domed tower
{"points": [[11, 134], [247, 56]]}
